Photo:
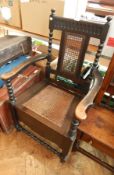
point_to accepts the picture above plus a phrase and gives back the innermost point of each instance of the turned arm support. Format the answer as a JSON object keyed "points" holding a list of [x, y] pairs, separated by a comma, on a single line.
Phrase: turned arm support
{"points": [[80, 111], [21, 67]]}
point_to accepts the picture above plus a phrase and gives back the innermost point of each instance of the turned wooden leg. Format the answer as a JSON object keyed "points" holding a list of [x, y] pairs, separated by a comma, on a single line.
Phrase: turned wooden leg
{"points": [[73, 129], [12, 100], [77, 141], [69, 142], [66, 150]]}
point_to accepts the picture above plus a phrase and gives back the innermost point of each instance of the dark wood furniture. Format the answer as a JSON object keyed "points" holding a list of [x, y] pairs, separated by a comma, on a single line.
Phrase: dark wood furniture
{"points": [[98, 123], [12, 46], [30, 76], [107, 86], [48, 108]]}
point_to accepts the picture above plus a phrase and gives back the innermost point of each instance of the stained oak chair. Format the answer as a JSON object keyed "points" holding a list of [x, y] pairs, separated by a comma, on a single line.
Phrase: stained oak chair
{"points": [[48, 108], [97, 122]]}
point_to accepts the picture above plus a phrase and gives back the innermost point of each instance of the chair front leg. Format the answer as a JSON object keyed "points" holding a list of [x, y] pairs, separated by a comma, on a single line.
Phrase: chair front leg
{"points": [[12, 100], [69, 142]]}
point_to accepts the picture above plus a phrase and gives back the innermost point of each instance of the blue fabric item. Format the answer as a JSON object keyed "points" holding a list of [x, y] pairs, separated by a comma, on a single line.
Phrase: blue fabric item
{"points": [[11, 65]]}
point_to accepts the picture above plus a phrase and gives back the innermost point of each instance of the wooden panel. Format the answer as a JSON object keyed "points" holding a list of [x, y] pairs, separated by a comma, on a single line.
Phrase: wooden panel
{"points": [[6, 121], [88, 28], [21, 83], [51, 103], [99, 125], [95, 143], [14, 46]]}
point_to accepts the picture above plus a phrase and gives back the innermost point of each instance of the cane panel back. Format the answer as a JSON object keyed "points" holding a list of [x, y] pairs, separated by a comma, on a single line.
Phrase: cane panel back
{"points": [[71, 54]]}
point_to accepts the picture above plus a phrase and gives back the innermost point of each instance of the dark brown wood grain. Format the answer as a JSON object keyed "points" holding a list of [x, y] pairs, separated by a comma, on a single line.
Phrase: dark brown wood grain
{"points": [[99, 125], [99, 122], [21, 83], [107, 82], [14, 46]]}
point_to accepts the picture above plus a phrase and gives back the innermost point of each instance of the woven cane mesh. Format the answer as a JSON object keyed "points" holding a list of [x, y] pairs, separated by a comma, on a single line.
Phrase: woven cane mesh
{"points": [[51, 103], [72, 52]]}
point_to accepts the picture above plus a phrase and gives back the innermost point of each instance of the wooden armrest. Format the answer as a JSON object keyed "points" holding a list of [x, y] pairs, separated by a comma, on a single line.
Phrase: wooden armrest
{"points": [[25, 64], [80, 111]]}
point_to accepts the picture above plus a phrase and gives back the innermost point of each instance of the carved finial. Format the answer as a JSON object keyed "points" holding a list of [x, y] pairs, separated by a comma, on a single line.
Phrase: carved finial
{"points": [[76, 123], [109, 18], [52, 14], [52, 11]]}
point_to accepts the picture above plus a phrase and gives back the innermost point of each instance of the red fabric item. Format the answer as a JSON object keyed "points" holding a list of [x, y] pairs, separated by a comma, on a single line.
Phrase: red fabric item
{"points": [[110, 42]]}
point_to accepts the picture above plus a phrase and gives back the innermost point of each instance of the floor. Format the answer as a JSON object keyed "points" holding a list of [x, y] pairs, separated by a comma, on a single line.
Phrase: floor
{"points": [[20, 155]]}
